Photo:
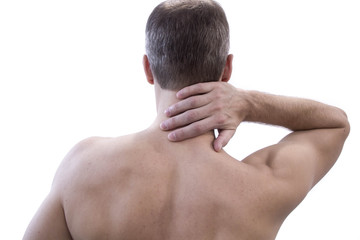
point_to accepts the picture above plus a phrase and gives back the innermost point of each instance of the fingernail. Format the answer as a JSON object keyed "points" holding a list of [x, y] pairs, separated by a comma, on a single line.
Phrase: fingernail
{"points": [[172, 136], [163, 126], [217, 147], [168, 112]]}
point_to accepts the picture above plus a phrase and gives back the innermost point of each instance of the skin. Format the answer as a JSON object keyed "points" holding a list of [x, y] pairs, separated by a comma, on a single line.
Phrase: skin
{"points": [[143, 186]]}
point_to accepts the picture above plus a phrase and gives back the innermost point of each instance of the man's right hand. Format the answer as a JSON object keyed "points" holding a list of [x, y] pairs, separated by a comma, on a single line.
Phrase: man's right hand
{"points": [[204, 107]]}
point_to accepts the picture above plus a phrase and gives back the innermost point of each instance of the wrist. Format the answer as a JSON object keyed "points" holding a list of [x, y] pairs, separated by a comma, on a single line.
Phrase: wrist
{"points": [[244, 104], [248, 104]]}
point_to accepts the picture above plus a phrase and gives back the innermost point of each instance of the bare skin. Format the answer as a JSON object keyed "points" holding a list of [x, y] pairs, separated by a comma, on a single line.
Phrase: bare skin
{"points": [[143, 186]]}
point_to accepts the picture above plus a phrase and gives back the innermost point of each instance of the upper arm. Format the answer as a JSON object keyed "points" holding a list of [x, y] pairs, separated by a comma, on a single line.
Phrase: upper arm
{"points": [[49, 221], [308, 155], [302, 158]]}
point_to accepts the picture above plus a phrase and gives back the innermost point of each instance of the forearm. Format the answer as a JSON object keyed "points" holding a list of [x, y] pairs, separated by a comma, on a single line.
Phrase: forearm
{"points": [[292, 113], [217, 105]]}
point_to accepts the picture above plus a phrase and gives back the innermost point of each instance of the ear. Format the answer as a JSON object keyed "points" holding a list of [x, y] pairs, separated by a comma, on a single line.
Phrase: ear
{"points": [[227, 69], [147, 69]]}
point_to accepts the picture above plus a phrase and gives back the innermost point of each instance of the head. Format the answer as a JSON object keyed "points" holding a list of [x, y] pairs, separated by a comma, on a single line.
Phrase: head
{"points": [[187, 42]]}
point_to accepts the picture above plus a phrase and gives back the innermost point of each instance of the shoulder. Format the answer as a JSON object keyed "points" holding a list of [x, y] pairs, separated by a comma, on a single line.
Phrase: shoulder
{"points": [[84, 147], [84, 151], [284, 170], [81, 153], [298, 162], [90, 160], [92, 148]]}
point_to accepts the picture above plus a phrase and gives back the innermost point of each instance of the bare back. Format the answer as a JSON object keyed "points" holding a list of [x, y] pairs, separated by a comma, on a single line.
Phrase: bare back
{"points": [[144, 187]]}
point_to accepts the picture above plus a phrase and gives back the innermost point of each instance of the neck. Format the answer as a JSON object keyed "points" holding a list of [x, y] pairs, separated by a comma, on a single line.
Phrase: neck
{"points": [[164, 99]]}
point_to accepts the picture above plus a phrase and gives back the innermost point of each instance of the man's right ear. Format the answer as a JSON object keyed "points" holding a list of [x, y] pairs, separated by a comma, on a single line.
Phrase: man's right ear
{"points": [[147, 69]]}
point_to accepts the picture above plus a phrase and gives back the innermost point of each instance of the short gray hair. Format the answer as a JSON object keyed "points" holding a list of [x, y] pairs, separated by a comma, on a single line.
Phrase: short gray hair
{"points": [[187, 42]]}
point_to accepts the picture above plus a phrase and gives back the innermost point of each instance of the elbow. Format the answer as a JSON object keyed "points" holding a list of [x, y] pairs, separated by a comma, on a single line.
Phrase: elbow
{"points": [[345, 124]]}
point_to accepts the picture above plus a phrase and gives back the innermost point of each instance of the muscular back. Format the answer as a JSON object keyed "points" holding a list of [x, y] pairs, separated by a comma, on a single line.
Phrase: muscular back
{"points": [[144, 187]]}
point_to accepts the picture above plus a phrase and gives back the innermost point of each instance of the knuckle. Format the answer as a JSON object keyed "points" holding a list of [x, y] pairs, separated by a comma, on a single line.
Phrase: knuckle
{"points": [[193, 102], [172, 122], [191, 116], [202, 87], [192, 89], [199, 86], [218, 94], [177, 135], [198, 128], [218, 106], [221, 119]]}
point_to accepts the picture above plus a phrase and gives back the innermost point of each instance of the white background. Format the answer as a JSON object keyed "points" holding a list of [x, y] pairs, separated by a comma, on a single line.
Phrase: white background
{"points": [[73, 69]]}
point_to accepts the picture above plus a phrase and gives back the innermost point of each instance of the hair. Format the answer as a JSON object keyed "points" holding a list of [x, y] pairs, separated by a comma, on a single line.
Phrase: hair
{"points": [[187, 42]]}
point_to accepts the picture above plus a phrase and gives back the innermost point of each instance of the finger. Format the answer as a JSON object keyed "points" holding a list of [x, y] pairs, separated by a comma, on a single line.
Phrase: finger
{"points": [[185, 118], [193, 130], [196, 89], [223, 139], [187, 104]]}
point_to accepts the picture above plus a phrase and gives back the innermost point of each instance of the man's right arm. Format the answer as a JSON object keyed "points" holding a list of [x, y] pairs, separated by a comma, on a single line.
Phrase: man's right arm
{"points": [[319, 130]]}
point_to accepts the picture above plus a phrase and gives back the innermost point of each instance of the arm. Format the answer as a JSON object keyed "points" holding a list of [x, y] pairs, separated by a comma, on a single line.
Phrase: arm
{"points": [[49, 221], [296, 114], [307, 154], [218, 105], [319, 130]]}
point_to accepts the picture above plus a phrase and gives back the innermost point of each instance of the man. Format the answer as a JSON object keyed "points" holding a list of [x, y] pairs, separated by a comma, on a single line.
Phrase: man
{"points": [[143, 186]]}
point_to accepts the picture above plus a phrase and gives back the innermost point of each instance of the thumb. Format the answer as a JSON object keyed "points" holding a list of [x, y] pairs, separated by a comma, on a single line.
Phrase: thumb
{"points": [[223, 139]]}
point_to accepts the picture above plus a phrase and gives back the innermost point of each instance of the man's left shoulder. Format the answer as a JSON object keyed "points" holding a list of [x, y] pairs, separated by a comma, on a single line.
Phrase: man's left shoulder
{"points": [[83, 158]]}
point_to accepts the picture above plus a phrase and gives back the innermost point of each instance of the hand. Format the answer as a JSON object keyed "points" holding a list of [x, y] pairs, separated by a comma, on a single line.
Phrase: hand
{"points": [[204, 107]]}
